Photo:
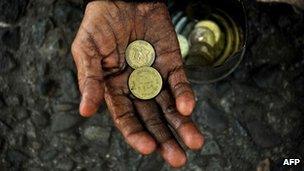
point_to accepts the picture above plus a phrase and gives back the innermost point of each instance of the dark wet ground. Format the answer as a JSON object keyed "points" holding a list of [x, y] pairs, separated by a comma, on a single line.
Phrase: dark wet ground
{"points": [[254, 114]]}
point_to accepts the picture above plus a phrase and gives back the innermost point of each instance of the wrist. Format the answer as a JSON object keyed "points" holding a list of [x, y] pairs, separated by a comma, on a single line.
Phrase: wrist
{"points": [[85, 2]]}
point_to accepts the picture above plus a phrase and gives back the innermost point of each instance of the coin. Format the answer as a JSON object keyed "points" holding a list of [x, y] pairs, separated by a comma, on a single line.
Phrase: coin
{"points": [[183, 44], [202, 34], [200, 54], [198, 59], [140, 53], [212, 26], [145, 83]]}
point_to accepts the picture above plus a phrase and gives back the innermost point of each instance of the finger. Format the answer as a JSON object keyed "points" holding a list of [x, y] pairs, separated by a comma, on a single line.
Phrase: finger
{"points": [[149, 113], [123, 115], [108, 35], [171, 67], [169, 64], [183, 125], [104, 41], [90, 74], [181, 90], [173, 154], [170, 150]]}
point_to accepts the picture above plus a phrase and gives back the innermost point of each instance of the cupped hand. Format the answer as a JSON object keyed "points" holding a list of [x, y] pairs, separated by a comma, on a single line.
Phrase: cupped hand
{"points": [[99, 53]]}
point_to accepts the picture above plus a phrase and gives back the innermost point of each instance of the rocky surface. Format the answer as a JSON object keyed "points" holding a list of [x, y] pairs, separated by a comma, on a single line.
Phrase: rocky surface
{"points": [[254, 114]]}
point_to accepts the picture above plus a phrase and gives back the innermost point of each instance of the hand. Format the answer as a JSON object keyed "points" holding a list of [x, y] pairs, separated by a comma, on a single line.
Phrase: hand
{"points": [[99, 53]]}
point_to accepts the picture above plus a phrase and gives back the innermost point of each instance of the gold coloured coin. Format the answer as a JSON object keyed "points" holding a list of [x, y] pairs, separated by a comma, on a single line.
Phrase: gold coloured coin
{"points": [[212, 26], [140, 53], [183, 44], [145, 83], [202, 34]]}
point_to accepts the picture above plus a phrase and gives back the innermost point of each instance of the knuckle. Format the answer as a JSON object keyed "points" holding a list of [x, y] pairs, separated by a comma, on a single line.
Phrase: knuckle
{"points": [[157, 128], [93, 100], [143, 9], [92, 5], [74, 48], [127, 124], [177, 71], [181, 88], [162, 134], [170, 110], [123, 118], [153, 122]]}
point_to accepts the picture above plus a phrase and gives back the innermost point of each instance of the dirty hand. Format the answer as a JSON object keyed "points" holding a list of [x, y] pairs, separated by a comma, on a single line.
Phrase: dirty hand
{"points": [[99, 53]]}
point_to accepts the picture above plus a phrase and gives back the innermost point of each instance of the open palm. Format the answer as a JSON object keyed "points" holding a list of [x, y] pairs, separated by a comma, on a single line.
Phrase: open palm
{"points": [[99, 53]]}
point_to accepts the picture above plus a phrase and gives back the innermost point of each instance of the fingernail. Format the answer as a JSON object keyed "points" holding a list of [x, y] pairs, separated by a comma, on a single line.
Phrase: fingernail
{"points": [[86, 109], [173, 154], [185, 104], [191, 136]]}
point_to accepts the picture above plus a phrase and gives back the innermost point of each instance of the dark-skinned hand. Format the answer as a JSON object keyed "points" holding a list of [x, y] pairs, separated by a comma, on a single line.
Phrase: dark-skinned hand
{"points": [[99, 53]]}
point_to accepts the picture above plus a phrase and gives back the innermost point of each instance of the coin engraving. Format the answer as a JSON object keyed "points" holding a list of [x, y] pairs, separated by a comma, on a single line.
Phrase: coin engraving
{"points": [[145, 83], [140, 53]]}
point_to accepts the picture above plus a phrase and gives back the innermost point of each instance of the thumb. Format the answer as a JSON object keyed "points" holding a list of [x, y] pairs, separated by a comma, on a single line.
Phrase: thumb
{"points": [[90, 76], [92, 96]]}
